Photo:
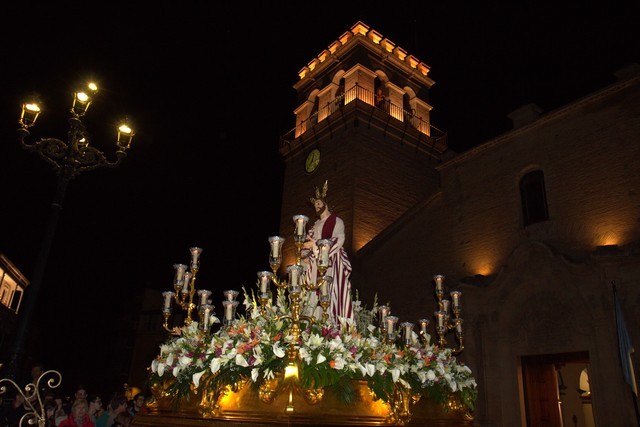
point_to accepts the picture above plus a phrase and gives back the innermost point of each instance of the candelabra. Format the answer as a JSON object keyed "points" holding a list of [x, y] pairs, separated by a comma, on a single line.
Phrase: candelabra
{"points": [[68, 159], [447, 318], [184, 284]]}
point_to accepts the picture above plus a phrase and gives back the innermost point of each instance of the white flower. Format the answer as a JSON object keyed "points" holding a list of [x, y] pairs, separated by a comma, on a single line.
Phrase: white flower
{"points": [[371, 369], [268, 374], [184, 361], [363, 369], [254, 374], [161, 369], [431, 376], [278, 351], [215, 365], [320, 359], [170, 360], [154, 366], [395, 374], [196, 378], [315, 341], [338, 363], [305, 355], [241, 361]]}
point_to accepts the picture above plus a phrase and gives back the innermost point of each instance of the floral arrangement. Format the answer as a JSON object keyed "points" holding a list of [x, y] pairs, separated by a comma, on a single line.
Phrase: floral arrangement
{"points": [[254, 349]]}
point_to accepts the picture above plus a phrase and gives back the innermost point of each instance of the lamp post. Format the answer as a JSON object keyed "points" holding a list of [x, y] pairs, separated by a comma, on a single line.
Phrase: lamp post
{"points": [[68, 159]]}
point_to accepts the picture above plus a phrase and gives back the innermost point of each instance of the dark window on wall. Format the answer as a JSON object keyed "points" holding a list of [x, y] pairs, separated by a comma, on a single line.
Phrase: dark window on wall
{"points": [[534, 198]]}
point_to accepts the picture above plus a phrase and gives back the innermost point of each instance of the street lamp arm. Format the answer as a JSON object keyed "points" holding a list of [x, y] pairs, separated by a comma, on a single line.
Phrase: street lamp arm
{"points": [[70, 158]]}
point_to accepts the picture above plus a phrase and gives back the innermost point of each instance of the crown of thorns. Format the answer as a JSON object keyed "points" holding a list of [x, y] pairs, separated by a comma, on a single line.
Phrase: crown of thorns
{"points": [[320, 193]]}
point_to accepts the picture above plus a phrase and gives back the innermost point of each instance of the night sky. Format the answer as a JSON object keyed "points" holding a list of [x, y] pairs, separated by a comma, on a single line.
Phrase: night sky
{"points": [[209, 88]]}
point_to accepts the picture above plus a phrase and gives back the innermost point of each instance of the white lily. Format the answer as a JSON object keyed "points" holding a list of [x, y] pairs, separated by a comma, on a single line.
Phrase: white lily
{"points": [[215, 365], [278, 351], [241, 361], [196, 378]]}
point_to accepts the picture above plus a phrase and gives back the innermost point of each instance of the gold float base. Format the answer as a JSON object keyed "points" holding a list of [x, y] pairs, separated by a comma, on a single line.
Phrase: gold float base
{"points": [[245, 408]]}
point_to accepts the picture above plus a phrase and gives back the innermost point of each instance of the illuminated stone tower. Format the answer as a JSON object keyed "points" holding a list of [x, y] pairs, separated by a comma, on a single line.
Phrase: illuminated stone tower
{"points": [[378, 155]]}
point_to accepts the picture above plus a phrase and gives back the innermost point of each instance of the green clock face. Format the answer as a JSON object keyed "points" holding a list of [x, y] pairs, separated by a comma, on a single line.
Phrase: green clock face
{"points": [[312, 161]]}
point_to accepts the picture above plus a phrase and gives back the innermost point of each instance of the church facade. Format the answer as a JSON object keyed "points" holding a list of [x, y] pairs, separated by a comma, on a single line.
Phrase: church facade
{"points": [[537, 228]]}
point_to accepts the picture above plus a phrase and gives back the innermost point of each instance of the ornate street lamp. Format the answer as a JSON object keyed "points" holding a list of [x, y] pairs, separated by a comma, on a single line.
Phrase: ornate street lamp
{"points": [[68, 159]]}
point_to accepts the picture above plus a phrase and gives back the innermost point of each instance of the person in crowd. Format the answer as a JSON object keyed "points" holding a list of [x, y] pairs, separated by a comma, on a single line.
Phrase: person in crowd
{"points": [[60, 411], [123, 419], [80, 393], [138, 405], [330, 226], [118, 404], [13, 410], [95, 407], [37, 370], [79, 416], [50, 414]]}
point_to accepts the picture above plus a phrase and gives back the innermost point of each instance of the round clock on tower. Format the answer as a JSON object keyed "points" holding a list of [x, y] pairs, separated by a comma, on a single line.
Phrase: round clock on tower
{"points": [[312, 161]]}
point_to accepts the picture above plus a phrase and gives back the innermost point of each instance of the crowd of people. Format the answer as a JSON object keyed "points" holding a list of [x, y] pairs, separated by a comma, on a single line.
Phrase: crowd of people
{"points": [[82, 409]]}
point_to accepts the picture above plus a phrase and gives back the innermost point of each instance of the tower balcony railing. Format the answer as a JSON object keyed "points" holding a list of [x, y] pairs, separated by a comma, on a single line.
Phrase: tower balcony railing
{"points": [[358, 92]]}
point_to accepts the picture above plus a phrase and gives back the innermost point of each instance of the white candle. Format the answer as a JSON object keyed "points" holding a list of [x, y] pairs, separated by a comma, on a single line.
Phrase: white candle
{"points": [[324, 256], [275, 248], [207, 313], [439, 279], [455, 298], [323, 288], [459, 326], [187, 282], [204, 296], [389, 326], [228, 311], [264, 281], [195, 254], [424, 324], [440, 318], [180, 269], [299, 224], [167, 300], [407, 330]]}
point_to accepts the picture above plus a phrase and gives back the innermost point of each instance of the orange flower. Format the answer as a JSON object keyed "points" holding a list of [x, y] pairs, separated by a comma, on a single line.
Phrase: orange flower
{"points": [[277, 336], [332, 364]]}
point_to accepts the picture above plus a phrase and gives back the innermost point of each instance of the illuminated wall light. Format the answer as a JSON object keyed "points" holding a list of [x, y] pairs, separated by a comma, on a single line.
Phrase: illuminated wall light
{"points": [[388, 45], [375, 36], [334, 46], [312, 64], [423, 68], [412, 61], [345, 37], [482, 264], [400, 53], [303, 72], [324, 55], [360, 28], [610, 239]]}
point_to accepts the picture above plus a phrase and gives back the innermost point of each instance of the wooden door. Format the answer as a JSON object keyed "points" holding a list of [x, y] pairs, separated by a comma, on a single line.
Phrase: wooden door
{"points": [[541, 395]]}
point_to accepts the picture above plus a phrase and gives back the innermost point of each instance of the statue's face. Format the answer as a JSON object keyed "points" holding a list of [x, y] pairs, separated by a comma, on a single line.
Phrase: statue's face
{"points": [[320, 206]]}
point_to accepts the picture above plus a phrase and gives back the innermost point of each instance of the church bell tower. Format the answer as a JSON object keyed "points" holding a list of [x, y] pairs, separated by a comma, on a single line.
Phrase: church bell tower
{"points": [[362, 124]]}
